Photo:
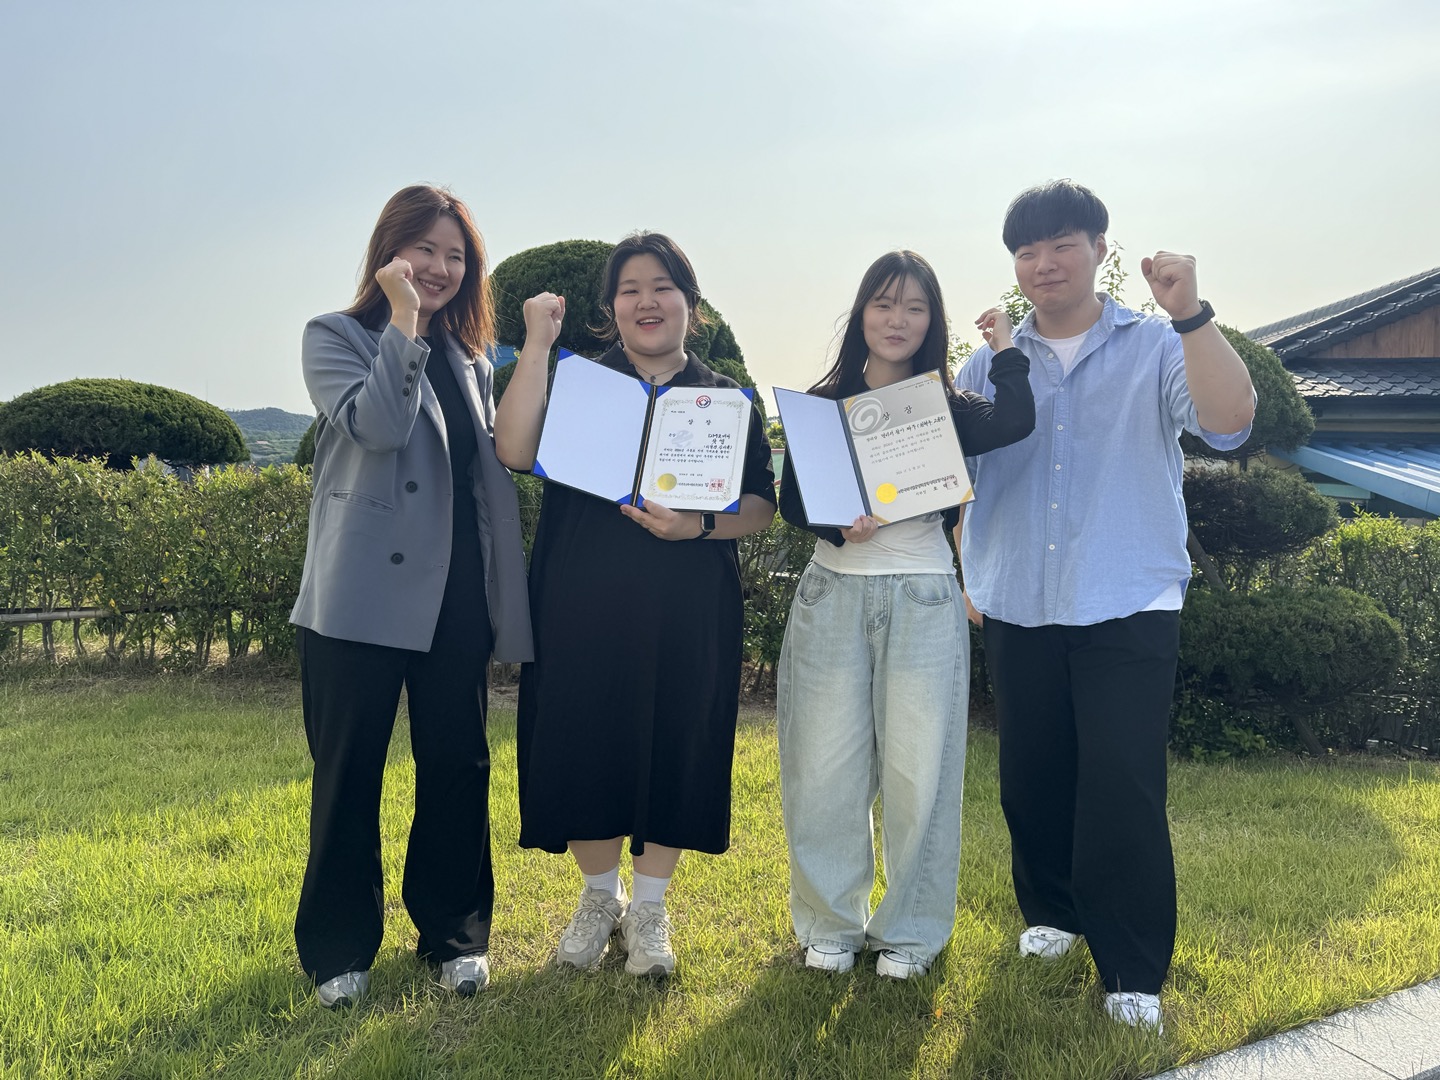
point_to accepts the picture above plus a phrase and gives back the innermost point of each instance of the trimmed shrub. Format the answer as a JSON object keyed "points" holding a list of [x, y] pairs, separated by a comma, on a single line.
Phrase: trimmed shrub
{"points": [[1244, 519], [1284, 651], [1282, 419], [305, 452], [120, 420], [569, 268]]}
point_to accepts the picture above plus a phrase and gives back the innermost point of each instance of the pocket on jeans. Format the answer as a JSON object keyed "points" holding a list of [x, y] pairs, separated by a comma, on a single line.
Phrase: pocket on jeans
{"points": [[930, 589], [816, 583]]}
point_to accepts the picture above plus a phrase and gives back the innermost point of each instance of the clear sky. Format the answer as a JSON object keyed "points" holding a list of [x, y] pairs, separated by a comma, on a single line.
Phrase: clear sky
{"points": [[185, 183]]}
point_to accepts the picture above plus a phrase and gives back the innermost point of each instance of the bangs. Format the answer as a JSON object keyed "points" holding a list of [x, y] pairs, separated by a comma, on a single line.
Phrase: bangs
{"points": [[1051, 210]]}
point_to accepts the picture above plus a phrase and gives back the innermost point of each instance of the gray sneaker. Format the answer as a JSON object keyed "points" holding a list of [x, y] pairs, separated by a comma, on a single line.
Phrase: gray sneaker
{"points": [[587, 936], [466, 975], [645, 935], [343, 990]]}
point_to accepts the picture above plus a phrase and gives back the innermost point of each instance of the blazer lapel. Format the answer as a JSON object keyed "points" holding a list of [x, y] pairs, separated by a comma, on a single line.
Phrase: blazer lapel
{"points": [[469, 387]]}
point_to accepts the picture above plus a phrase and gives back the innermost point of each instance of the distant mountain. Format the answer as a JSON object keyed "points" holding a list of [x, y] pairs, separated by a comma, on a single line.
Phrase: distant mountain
{"points": [[271, 434], [275, 420]]}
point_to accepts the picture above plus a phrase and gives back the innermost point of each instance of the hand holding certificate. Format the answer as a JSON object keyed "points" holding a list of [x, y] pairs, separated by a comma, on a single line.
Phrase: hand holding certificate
{"points": [[631, 442], [890, 453]]}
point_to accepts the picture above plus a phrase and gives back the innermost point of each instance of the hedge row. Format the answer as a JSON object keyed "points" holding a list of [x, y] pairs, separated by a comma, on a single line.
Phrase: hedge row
{"points": [[180, 564], [186, 565]]}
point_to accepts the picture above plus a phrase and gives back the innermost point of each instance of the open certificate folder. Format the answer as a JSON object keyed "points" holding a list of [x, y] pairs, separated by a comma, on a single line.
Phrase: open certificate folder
{"points": [[891, 453], [628, 441]]}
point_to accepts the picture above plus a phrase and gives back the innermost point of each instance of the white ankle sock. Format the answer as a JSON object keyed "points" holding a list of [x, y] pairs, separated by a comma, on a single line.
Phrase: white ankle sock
{"points": [[648, 890], [608, 882]]}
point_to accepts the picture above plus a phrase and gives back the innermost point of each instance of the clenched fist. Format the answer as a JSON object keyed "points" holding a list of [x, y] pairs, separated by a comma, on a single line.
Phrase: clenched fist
{"points": [[1172, 280], [543, 316]]}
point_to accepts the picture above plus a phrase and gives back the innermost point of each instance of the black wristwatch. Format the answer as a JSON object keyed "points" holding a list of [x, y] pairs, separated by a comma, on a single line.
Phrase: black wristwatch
{"points": [[1184, 326], [707, 526]]}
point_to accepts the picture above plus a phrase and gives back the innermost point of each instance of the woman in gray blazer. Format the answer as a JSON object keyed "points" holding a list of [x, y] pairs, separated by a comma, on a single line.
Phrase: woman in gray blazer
{"points": [[414, 576]]}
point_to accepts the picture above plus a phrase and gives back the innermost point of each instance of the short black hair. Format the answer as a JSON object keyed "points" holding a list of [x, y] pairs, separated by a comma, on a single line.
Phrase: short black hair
{"points": [[1051, 210], [676, 264]]}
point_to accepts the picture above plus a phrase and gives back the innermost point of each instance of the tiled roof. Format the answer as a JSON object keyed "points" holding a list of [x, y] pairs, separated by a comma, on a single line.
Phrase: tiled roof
{"points": [[1366, 378], [1301, 335]]}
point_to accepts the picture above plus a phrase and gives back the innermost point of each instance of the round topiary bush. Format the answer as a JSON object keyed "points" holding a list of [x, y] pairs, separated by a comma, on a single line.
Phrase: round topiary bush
{"points": [[1255, 514], [573, 269], [1285, 650], [1282, 419], [305, 452], [120, 420]]}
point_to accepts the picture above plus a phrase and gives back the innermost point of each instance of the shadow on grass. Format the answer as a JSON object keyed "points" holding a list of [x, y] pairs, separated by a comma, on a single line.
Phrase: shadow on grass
{"points": [[798, 1022]]}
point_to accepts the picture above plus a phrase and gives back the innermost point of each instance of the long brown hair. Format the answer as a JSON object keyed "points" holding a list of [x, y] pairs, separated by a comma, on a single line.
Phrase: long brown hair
{"points": [[407, 217], [893, 268]]}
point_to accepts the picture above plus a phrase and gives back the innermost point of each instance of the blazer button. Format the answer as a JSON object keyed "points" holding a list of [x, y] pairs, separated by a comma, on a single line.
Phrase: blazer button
{"points": [[409, 378], [405, 392], [413, 365], [411, 485], [397, 558]]}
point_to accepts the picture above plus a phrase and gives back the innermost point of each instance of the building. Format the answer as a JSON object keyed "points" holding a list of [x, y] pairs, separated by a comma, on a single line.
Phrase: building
{"points": [[1369, 368]]}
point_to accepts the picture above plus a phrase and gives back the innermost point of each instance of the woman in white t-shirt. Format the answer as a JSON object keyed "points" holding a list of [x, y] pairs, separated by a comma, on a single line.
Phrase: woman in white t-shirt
{"points": [[874, 673]]}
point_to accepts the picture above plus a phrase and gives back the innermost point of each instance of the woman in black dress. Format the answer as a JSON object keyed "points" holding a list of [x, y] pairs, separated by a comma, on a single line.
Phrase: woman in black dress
{"points": [[627, 715]]}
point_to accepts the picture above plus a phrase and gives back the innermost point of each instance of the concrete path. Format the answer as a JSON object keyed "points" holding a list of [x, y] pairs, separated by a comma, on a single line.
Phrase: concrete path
{"points": [[1396, 1038]]}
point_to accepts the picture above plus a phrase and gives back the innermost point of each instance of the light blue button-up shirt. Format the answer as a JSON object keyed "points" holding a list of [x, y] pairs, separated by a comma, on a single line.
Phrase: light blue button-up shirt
{"points": [[1084, 521]]}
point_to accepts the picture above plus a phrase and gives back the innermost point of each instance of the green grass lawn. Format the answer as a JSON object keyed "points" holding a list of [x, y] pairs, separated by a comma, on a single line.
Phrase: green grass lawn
{"points": [[152, 840]]}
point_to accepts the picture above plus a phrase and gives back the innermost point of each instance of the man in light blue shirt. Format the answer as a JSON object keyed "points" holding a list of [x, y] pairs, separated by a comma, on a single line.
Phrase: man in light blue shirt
{"points": [[1074, 551]]}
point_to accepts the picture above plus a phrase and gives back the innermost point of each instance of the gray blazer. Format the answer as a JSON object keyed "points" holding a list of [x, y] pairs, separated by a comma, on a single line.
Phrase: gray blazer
{"points": [[379, 546]]}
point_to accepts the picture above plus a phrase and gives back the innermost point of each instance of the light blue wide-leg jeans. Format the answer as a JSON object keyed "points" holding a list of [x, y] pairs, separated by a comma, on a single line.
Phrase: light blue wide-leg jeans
{"points": [[873, 687]]}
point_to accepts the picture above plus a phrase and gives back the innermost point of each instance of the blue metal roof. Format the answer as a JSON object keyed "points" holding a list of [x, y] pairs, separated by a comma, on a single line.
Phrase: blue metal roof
{"points": [[502, 355], [1405, 472]]}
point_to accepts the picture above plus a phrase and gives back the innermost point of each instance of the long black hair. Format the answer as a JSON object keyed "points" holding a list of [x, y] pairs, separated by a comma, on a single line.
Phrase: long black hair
{"points": [[891, 270]]}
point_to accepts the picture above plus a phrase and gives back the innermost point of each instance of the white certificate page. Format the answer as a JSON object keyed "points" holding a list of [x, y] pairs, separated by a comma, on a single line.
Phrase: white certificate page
{"points": [[906, 449], [594, 427], [695, 458]]}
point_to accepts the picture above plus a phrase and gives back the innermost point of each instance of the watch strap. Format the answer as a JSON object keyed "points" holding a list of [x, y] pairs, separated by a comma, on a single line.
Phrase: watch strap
{"points": [[1184, 326]]}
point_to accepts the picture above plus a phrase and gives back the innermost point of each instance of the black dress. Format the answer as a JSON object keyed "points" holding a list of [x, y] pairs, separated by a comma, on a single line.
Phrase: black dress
{"points": [[627, 715]]}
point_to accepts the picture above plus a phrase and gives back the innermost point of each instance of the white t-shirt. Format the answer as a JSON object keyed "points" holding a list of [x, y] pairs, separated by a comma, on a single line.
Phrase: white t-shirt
{"points": [[907, 547], [1065, 349]]}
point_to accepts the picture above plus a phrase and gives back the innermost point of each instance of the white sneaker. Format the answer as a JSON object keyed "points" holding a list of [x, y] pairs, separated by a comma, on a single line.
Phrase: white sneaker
{"points": [[1137, 1010], [466, 974], [343, 990], [586, 938], [829, 958], [1046, 941], [892, 965], [645, 935]]}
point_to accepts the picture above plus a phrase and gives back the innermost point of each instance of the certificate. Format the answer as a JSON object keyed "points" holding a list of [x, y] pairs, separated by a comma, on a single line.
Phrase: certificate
{"points": [[891, 453], [614, 436]]}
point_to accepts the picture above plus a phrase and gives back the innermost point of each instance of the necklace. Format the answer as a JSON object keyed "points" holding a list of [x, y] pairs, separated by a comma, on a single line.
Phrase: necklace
{"points": [[658, 374]]}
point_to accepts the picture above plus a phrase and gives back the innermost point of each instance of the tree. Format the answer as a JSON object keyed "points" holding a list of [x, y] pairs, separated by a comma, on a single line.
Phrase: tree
{"points": [[120, 420], [305, 452], [1282, 419]]}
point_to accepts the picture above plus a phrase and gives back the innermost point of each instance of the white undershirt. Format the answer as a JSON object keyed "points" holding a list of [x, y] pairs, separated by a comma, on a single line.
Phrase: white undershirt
{"points": [[1065, 349], [907, 547]]}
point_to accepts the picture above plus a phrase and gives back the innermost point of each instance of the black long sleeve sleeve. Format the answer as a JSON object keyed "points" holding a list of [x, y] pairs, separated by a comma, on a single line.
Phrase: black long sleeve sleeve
{"points": [[980, 423], [985, 425]]}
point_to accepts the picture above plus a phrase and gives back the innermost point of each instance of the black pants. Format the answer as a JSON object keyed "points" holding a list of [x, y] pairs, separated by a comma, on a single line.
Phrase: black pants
{"points": [[350, 694], [1084, 717]]}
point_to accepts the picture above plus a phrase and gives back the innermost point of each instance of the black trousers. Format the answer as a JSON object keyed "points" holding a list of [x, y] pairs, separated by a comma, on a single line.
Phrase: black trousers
{"points": [[350, 693], [1084, 717]]}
